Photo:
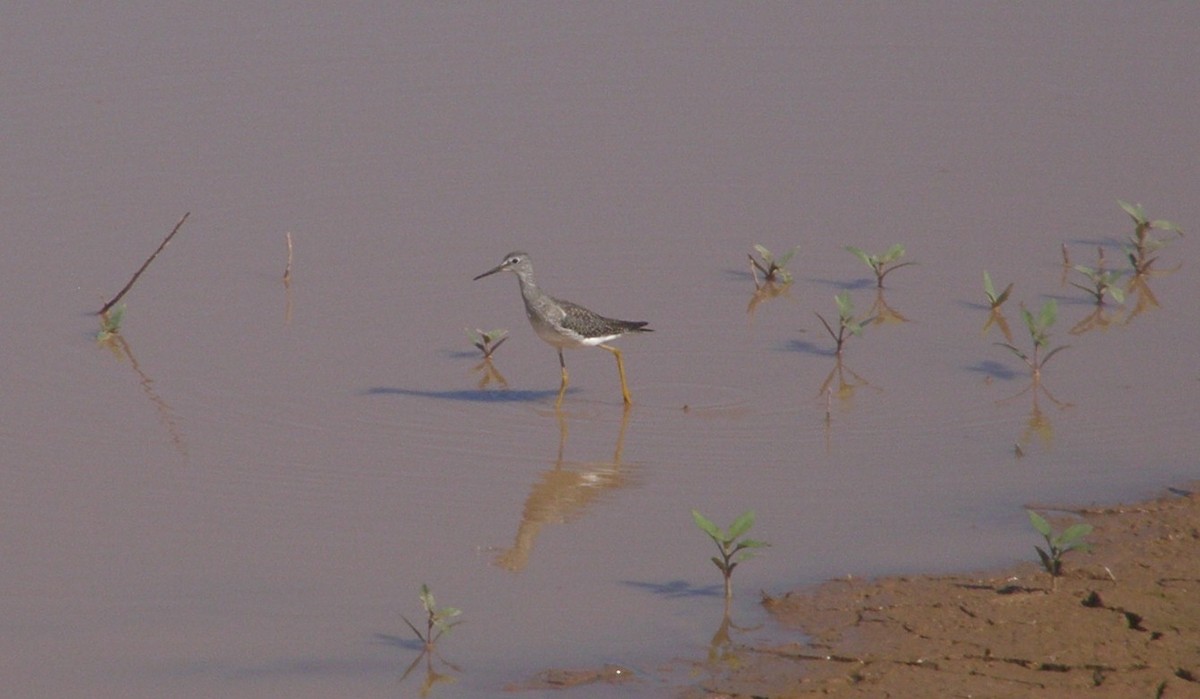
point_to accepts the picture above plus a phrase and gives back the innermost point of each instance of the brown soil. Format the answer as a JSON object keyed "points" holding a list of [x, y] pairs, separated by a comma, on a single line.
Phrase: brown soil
{"points": [[1123, 621]]}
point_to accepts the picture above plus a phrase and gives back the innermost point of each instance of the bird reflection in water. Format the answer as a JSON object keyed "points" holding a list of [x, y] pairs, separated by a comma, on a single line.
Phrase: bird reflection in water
{"points": [[564, 492]]}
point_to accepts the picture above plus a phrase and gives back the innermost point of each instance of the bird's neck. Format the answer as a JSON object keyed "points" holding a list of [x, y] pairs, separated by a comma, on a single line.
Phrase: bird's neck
{"points": [[529, 288]]}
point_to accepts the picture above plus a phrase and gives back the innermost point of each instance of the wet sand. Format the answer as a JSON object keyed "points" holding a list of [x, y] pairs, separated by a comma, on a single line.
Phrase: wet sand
{"points": [[1122, 621]]}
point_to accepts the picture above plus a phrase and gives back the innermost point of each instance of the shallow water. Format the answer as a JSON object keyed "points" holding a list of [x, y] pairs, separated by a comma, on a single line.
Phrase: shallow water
{"points": [[244, 497]]}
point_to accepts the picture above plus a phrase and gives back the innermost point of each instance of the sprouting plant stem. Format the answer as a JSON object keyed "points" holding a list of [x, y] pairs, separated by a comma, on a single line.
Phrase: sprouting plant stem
{"points": [[437, 621]]}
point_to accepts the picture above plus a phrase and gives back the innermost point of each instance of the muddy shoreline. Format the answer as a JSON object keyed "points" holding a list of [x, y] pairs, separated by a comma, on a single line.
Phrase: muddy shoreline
{"points": [[1123, 620]]}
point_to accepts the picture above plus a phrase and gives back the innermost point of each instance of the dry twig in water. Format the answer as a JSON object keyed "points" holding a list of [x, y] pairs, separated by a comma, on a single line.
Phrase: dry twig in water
{"points": [[134, 278], [287, 271]]}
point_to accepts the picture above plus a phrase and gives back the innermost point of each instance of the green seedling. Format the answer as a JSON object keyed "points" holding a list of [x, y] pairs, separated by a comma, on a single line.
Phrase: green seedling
{"points": [[1039, 333], [883, 264], [846, 322], [1058, 545], [1142, 244], [437, 621], [1103, 283], [110, 322], [773, 269], [487, 342], [732, 550], [995, 300]]}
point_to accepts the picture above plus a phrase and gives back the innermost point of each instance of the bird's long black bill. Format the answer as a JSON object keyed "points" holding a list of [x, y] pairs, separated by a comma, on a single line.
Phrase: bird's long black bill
{"points": [[489, 272]]}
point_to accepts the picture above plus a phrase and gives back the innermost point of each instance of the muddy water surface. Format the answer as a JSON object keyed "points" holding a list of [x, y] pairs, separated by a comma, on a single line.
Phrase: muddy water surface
{"points": [[243, 496]]}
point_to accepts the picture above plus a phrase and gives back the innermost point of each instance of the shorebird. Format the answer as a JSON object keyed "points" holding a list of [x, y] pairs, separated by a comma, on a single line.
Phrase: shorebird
{"points": [[565, 324]]}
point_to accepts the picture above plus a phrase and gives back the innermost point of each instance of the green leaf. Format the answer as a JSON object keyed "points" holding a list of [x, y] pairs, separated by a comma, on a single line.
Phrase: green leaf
{"points": [[1049, 314], [110, 322], [1117, 293], [1028, 318], [1047, 561], [707, 526], [862, 255], [1166, 226], [987, 286], [741, 525], [1077, 546], [1135, 211], [1004, 294], [763, 252], [845, 305], [1074, 534], [894, 253], [1039, 523], [787, 256]]}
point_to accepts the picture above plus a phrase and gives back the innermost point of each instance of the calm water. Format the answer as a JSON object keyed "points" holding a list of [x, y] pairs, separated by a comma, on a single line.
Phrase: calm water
{"points": [[243, 498]]}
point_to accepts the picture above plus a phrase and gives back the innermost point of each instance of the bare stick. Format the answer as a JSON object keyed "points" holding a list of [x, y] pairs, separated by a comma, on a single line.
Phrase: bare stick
{"points": [[134, 278], [287, 271]]}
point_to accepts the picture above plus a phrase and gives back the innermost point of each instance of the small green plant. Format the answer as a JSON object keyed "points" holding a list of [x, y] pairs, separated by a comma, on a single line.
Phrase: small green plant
{"points": [[437, 621], [487, 342], [1039, 333], [110, 322], [846, 322], [732, 550], [1142, 244], [883, 264], [995, 300], [773, 269], [1103, 283], [1058, 545]]}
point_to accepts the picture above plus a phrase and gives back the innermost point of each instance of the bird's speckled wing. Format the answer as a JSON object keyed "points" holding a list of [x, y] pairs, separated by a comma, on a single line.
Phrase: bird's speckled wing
{"points": [[580, 320]]}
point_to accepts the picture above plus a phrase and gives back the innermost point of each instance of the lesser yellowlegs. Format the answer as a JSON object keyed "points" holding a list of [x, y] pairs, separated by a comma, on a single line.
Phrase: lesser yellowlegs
{"points": [[565, 324]]}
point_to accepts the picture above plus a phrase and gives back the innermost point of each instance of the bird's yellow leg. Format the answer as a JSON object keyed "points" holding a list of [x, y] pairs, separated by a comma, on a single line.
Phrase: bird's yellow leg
{"points": [[620, 370], [562, 390]]}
